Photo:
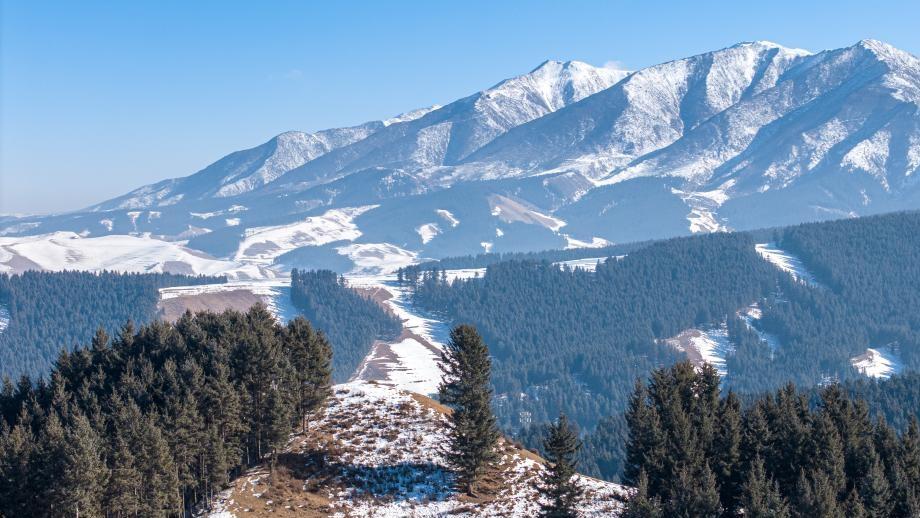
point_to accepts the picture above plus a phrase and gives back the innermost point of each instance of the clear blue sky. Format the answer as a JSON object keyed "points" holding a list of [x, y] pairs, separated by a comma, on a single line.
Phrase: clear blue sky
{"points": [[100, 98]]}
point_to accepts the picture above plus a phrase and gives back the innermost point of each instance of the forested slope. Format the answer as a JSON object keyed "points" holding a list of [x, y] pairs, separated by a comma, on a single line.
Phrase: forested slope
{"points": [[158, 419], [50, 311], [575, 340], [351, 321]]}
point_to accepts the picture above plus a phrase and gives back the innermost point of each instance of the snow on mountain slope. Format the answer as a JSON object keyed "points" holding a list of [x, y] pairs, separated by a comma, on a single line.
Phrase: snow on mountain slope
{"points": [[786, 262], [878, 363], [751, 136], [449, 134], [262, 245], [649, 110], [69, 251], [243, 171]]}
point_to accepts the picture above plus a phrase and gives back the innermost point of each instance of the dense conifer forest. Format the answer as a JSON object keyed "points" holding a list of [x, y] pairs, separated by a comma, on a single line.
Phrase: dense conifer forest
{"points": [[50, 311], [351, 321], [565, 340], [692, 452], [159, 418]]}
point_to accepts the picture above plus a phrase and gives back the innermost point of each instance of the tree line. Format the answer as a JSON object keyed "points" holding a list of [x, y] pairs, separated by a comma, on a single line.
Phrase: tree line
{"points": [[350, 320], [53, 310], [157, 419]]}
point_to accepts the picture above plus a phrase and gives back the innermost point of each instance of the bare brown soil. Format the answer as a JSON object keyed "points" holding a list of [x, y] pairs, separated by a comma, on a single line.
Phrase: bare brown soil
{"points": [[240, 300]]}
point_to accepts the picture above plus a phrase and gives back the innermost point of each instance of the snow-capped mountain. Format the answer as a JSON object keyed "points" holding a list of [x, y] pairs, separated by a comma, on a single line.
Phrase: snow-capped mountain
{"points": [[754, 135], [450, 134], [243, 171]]}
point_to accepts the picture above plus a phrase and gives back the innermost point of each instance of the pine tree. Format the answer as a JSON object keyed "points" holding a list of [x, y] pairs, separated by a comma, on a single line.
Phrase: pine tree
{"points": [[311, 358], [465, 388], [645, 447], [726, 452], [121, 497], [760, 497], [816, 497], [694, 494], [827, 457], [640, 505], [558, 481], [853, 506], [85, 472], [876, 492], [279, 424], [16, 471]]}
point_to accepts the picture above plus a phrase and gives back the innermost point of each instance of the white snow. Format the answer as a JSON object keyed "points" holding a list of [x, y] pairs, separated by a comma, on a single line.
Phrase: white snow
{"points": [[486, 246], [410, 115], [232, 222], [588, 264], [415, 367], [428, 231], [4, 318], [511, 211], [377, 258], [448, 217], [786, 262], [596, 242], [263, 245], [710, 345], [881, 362], [143, 254], [107, 223], [390, 448]]}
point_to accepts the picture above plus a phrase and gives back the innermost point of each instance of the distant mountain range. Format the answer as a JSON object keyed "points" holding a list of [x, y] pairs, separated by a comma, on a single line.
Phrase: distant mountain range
{"points": [[567, 155]]}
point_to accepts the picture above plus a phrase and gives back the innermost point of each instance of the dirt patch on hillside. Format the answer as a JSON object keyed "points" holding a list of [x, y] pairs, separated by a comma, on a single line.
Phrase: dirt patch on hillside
{"points": [[240, 300]]}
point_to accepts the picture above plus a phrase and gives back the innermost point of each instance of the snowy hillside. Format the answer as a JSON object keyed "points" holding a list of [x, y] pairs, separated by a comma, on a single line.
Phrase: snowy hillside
{"points": [[376, 451], [567, 155]]}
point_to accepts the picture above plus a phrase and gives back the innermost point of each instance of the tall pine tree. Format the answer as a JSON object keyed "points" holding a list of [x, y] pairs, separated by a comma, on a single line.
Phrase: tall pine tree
{"points": [[465, 388], [558, 484]]}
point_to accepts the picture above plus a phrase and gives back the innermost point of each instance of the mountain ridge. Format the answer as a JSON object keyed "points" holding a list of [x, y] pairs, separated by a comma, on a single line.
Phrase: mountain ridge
{"points": [[749, 136]]}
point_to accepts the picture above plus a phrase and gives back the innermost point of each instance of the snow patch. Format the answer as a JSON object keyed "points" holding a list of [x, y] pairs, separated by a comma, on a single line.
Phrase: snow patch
{"points": [[881, 363], [786, 262], [709, 345], [262, 245], [4, 318], [448, 217], [377, 258], [596, 242], [428, 231]]}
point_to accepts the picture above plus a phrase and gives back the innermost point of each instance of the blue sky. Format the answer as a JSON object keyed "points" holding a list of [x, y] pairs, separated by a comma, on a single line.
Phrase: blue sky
{"points": [[99, 98]]}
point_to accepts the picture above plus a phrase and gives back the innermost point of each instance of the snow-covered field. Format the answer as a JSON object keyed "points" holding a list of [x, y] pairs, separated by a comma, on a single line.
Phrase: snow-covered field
{"points": [[123, 253], [786, 262], [263, 245], [881, 362]]}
